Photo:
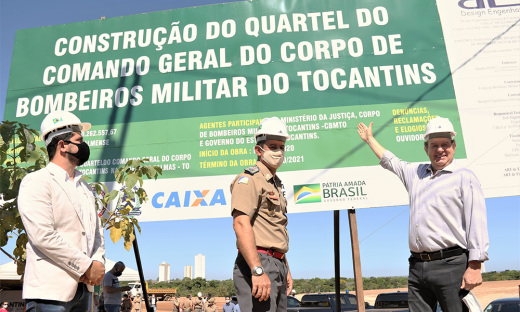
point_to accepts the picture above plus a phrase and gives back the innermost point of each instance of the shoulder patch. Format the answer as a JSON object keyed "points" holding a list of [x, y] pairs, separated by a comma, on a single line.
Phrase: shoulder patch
{"points": [[252, 169], [243, 180]]}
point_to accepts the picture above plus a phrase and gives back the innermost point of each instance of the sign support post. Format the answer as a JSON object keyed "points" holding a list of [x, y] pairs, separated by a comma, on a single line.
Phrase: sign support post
{"points": [[141, 275], [356, 260], [336, 260]]}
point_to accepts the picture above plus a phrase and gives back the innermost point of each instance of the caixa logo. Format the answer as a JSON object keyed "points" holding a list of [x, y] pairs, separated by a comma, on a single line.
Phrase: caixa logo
{"points": [[482, 4], [194, 198]]}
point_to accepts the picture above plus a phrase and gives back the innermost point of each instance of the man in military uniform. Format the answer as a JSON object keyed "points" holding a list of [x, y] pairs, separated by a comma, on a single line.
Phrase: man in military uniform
{"points": [[186, 304], [212, 307], [261, 273], [197, 303]]}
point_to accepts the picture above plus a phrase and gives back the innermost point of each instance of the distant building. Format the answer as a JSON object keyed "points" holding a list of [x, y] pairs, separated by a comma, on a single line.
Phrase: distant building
{"points": [[200, 266], [164, 272], [188, 271]]}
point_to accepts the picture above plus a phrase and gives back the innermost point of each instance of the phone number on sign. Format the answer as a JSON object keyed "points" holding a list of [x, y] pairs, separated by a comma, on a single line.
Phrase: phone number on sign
{"points": [[105, 132]]}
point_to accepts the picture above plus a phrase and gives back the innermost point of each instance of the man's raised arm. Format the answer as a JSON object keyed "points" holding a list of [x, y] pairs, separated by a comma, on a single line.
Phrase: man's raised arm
{"points": [[367, 136]]}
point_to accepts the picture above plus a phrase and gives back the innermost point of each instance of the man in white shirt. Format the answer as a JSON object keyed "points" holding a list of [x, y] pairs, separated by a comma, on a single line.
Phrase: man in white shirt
{"points": [[448, 236]]}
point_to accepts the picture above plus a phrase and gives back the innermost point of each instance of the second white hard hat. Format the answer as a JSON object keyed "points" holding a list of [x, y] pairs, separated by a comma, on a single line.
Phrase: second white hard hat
{"points": [[60, 122], [439, 127], [271, 129]]}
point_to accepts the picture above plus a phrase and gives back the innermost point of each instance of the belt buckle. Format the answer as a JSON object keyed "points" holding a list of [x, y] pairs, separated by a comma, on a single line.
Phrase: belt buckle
{"points": [[425, 257]]}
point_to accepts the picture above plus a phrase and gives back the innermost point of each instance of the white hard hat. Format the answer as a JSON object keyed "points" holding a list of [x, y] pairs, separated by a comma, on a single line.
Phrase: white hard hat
{"points": [[60, 122], [439, 127], [271, 129], [199, 294]]}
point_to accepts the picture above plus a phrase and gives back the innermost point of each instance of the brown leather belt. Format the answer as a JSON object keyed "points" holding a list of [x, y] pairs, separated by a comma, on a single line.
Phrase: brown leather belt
{"points": [[437, 255], [270, 252]]}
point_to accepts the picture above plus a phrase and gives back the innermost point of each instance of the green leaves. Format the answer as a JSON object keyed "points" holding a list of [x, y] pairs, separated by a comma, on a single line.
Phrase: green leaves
{"points": [[132, 179], [111, 196], [20, 154], [129, 196]]}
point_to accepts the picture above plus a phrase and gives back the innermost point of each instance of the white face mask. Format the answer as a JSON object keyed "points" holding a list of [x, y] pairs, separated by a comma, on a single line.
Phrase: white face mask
{"points": [[228, 301], [274, 158]]}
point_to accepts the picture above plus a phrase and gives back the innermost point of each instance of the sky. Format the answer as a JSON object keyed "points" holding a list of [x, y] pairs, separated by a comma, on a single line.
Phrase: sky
{"points": [[382, 232]]}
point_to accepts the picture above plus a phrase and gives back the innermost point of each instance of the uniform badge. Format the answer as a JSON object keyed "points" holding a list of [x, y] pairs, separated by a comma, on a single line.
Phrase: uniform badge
{"points": [[271, 213], [252, 169], [243, 180]]}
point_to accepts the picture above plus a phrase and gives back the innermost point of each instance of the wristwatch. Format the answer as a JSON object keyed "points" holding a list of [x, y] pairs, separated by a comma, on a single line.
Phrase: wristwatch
{"points": [[257, 271]]}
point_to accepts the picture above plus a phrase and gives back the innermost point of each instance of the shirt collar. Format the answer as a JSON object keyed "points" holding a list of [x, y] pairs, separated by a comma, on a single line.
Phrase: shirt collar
{"points": [[62, 174], [450, 168], [266, 172]]}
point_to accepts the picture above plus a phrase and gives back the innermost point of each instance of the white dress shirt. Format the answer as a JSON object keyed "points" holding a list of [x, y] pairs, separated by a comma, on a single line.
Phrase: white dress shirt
{"points": [[81, 200], [447, 209]]}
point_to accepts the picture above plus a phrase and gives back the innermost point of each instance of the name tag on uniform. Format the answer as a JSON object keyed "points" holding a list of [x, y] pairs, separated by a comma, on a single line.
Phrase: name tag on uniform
{"points": [[243, 180]]}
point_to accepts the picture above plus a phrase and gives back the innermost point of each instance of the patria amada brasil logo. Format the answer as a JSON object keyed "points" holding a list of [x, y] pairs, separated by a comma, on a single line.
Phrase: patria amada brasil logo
{"points": [[192, 198], [329, 192], [307, 193]]}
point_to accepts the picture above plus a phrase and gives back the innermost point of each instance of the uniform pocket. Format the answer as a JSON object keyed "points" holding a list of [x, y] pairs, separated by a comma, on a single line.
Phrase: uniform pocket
{"points": [[273, 205]]}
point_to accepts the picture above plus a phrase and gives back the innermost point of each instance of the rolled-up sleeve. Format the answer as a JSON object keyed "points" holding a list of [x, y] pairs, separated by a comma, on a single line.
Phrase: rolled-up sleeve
{"points": [[475, 218]]}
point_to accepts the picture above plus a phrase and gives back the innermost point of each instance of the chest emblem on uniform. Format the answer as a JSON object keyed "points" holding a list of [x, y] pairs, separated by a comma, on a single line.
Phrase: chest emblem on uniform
{"points": [[271, 213], [243, 180]]}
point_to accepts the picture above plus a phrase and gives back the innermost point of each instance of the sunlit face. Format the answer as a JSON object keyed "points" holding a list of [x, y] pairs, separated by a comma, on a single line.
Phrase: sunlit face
{"points": [[440, 151], [270, 145]]}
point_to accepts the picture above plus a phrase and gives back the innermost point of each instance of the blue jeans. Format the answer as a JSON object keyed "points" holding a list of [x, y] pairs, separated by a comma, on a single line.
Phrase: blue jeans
{"points": [[112, 308], [80, 303]]}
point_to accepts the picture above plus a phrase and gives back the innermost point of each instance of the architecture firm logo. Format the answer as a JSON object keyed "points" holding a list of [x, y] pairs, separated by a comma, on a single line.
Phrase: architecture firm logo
{"points": [[307, 193]]}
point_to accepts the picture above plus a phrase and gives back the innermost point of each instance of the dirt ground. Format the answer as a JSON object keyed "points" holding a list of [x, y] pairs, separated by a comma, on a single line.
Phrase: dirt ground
{"points": [[486, 293]]}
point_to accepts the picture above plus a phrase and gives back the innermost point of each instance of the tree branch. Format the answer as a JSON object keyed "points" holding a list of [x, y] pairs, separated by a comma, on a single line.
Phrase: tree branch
{"points": [[9, 255]]}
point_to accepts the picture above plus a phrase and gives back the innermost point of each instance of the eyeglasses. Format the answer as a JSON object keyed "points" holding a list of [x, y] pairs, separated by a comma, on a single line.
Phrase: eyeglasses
{"points": [[444, 146]]}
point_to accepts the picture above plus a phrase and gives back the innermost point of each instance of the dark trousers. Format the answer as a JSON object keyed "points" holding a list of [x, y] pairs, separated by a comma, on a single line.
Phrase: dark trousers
{"points": [[276, 270], [437, 280]]}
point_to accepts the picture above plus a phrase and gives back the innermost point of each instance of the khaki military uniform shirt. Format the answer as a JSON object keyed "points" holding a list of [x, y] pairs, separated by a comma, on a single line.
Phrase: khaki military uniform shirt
{"points": [[186, 304], [197, 303], [176, 305], [258, 194], [211, 308]]}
